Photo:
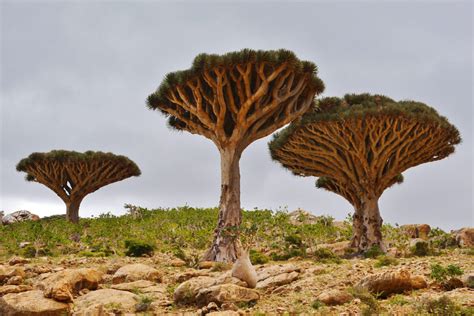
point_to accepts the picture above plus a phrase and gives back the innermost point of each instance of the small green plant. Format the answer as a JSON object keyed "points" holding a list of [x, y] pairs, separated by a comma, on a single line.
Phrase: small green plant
{"points": [[143, 304], [421, 249], [138, 248], [398, 300], [326, 256], [373, 252], [442, 274], [317, 304], [383, 261], [443, 306], [257, 257], [372, 306]]}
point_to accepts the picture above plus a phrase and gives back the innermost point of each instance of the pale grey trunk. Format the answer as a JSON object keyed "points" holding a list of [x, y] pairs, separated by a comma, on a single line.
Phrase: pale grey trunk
{"points": [[224, 248], [367, 225]]}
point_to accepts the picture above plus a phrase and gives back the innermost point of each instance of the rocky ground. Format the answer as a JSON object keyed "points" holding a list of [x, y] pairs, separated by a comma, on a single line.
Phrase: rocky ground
{"points": [[164, 284]]}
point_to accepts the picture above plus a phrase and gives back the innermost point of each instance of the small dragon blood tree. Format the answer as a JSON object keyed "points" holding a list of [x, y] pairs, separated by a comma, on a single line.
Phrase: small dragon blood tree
{"points": [[73, 175], [233, 100], [358, 146]]}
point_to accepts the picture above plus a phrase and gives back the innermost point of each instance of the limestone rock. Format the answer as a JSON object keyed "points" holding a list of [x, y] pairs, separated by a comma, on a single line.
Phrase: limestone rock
{"points": [[300, 217], [7, 272], [223, 313], [17, 260], [226, 293], [64, 285], [244, 270], [19, 216], [31, 303], [334, 297], [418, 282], [387, 283], [189, 274], [206, 264], [187, 291], [468, 280], [135, 272], [95, 303], [277, 280], [416, 230], [177, 263], [465, 237], [14, 289], [273, 270], [132, 286]]}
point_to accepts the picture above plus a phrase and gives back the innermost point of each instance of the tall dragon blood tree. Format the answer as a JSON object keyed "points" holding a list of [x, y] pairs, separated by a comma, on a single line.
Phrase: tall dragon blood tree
{"points": [[358, 146], [233, 100], [73, 175]]}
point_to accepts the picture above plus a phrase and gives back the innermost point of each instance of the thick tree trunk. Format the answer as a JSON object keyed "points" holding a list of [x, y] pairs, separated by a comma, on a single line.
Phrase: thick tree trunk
{"points": [[367, 225], [224, 246], [72, 210]]}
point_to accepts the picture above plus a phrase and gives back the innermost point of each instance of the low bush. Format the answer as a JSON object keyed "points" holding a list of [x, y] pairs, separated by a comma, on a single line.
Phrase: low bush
{"points": [[373, 252], [257, 257], [383, 261], [138, 248]]}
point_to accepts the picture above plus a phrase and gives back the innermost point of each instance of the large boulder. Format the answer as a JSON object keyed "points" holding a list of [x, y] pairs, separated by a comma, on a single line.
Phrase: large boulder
{"points": [[31, 303], [334, 297], [465, 237], [65, 285], [276, 275], [19, 216], [135, 272], [6, 289], [390, 282], [226, 293], [97, 303], [416, 230], [187, 291]]}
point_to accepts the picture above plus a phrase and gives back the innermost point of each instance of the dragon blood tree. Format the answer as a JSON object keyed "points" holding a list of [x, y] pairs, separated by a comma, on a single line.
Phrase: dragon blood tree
{"points": [[358, 146], [73, 175], [233, 100]]}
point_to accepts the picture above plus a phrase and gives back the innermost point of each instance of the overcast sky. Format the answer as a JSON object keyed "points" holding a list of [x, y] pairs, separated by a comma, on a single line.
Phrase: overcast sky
{"points": [[75, 76]]}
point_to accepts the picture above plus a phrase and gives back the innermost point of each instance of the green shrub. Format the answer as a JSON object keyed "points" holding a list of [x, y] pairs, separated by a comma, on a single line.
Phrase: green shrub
{"points": [[398, 299], [421, 249], [442, 274], [138, 248], [326, 256], [257, 257], [317, 304], [372, 306], [383, 261], [373, 252], [443, 306]]}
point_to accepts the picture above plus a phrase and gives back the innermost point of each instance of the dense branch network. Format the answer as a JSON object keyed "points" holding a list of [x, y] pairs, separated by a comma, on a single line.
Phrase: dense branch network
{"points": [[361, 153], [73, 175], [238, 102]]}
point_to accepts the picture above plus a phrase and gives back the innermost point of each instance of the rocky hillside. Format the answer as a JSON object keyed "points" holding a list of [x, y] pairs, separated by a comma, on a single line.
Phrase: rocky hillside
{"points": [[149, 264]]}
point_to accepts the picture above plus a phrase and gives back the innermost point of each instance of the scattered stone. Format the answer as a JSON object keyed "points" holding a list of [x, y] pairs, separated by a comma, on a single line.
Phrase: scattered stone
{"points": [[14, 289], [452, 283], [17, 260], [188, 274], [226, 293], [206, 264], [229, 307], [223, 313], [187, 291], [300, 217], [416, 230], [23, 244], [31, 303], [334, 297], [468, 280], [177, 263], [338, 248], [7, 272], [15, 280], [19, 216], [132, 286], [64, 285], [227, 278], [465, 237], [418, 282], [135, 272], [104, 300], [243, 270], [268, 271], [387, 283], [277, 280]]}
